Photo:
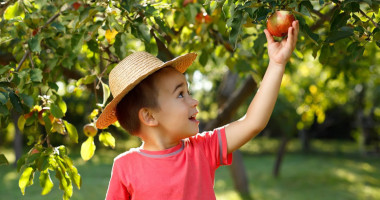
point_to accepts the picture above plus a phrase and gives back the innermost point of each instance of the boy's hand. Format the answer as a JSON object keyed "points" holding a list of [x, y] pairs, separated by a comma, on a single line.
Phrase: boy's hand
{"points": [[280, 52]]}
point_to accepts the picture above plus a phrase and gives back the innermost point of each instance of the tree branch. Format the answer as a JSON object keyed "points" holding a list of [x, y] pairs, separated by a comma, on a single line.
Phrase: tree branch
{"points": [[323, 18], [233, 103], [22, 60], [370, 19]]}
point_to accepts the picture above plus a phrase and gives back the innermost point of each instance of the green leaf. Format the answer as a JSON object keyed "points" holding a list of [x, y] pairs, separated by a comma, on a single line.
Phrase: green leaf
{"points": [[120, 44], [144, 30], [47, 121], [3, 160], [339, 21], [326, 52], [163, 26], [107, 139], [21, 161], [56, 111], [65, 183], [35, 43], [86, 80], [4, 69], [306, 29], [62, 104], [4, 110], [338, 35], [76, 42], [236, 27], [26, 179], [258, 45], [21, 123], [243, 65], [58, 26], [73, 172], [88, 149], [113, 23], [53, 86], [190, 12], [36, 75], [28, 100], [45, 182], [15, 102], [3, 98], [106, 93], [376, 34], [73, 133], [203, 58], [93, 45], [305, 7], [13, 11]]}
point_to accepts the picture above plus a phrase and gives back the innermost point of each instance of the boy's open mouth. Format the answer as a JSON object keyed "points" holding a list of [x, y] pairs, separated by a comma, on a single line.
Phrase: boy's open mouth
{"points": [[193, 117]]}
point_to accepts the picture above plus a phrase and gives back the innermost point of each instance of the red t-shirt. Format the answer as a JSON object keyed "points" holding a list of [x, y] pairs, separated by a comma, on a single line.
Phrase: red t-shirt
{"points": [[185, 171]]}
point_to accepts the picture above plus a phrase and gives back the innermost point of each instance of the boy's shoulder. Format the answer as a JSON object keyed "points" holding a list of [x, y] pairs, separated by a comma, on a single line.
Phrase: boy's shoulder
{"points": [[126, 155]]}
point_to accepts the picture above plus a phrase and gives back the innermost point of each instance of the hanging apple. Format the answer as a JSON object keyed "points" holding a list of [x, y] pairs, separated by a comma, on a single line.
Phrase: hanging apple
{"points": [[90, 130], [279, 22], [76, 5]]}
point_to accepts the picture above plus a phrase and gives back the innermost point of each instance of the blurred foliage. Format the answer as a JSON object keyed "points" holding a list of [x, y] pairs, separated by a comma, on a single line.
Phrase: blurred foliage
{"points": [[56, 57]]}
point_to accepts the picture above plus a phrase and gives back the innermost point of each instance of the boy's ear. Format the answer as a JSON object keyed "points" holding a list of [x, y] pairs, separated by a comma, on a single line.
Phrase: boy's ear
{"points": [[146, 117]]}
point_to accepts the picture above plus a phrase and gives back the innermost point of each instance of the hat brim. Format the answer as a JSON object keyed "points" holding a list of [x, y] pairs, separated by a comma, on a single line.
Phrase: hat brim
{"points": [[108, 116]]}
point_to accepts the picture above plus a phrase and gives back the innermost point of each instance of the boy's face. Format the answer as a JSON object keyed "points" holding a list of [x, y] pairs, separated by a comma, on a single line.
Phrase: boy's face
{"points": [[177, 109]]}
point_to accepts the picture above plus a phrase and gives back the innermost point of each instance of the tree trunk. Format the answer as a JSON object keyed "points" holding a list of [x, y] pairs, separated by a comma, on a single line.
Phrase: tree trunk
{"points": [[239, 175], [225, 115], [280, 156], [305, 140], [17, 143]]}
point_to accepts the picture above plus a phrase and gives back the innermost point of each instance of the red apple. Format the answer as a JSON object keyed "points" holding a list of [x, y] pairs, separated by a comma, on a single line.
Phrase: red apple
{"points": [[35, 31], [76, 5], [279, 22], [203, 17]]}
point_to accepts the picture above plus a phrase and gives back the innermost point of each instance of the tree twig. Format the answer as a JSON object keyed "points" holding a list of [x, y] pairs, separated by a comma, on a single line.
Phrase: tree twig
{"points": [[49, 21], [23, 60], [370, 19], [31, 60]]}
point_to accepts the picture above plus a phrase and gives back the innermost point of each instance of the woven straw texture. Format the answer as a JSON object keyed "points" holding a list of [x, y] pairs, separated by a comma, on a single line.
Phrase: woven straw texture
{"points": [[131, 71]]}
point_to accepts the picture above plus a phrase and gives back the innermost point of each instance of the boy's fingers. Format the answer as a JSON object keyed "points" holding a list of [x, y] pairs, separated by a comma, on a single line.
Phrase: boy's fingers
{"points": [[296, 31], [269, 36], [290, 39]]}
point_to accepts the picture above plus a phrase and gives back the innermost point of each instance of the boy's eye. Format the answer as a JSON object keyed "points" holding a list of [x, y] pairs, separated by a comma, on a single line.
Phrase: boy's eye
{"points": [[180, 95]]}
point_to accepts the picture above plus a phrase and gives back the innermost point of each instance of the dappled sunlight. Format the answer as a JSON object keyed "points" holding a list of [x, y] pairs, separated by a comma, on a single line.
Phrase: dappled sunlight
{"points": [[361, 177], [346, 175], [11, 176], [228, 195]]}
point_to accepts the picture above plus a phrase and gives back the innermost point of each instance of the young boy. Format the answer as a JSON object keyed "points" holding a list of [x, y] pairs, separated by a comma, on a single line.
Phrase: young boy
{"points": [[152, 102]]}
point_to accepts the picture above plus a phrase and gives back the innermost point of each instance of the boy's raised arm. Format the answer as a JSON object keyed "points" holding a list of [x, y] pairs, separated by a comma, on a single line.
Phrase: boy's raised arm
{"points": [[261, 107]]}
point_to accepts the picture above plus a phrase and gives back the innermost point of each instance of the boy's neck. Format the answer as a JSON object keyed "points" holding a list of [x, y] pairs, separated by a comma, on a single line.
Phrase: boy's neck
{"points": [[155, 142], [158, 146]]}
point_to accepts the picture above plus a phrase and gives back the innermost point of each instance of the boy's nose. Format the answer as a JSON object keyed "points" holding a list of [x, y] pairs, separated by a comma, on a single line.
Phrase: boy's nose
{"points": [[194, 102]]}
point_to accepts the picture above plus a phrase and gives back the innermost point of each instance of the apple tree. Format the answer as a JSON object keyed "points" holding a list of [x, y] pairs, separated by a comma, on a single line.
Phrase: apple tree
{"points": [[50, 45]]}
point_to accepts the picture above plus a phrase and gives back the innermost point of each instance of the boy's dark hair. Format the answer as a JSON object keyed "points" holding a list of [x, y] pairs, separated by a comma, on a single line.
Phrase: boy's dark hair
{"points": [[143, 95]]}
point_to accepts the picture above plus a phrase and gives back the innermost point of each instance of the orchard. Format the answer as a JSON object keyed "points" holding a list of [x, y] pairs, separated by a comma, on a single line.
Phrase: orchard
{"points": [[55, 57]]}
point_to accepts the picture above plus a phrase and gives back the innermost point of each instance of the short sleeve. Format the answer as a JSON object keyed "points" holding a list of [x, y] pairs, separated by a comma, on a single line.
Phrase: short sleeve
{"points": [[214, 144], [116, 188]]}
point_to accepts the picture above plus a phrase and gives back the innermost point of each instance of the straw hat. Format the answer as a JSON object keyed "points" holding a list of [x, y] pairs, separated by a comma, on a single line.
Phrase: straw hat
{"points": [[131, 71]]}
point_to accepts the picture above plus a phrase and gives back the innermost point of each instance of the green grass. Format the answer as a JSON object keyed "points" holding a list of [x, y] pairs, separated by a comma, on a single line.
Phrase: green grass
{"points": [[333, 172]]}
